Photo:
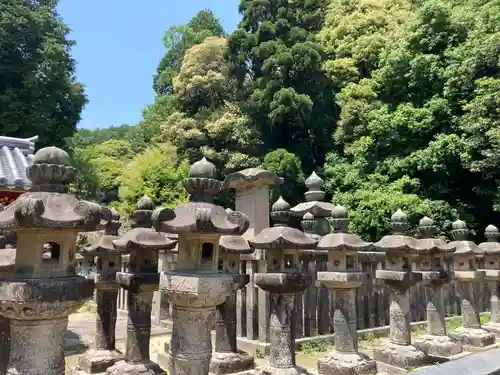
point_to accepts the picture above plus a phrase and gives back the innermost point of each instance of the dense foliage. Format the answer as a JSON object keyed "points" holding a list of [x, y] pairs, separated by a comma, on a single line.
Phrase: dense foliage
{"points": [[393, 102]]}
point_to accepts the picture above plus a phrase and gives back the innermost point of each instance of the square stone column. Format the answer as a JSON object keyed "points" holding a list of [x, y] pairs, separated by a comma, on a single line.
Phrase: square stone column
{"points": [[252, 198]]}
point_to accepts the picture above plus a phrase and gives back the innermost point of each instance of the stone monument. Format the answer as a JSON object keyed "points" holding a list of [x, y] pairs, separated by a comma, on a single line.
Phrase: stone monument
{"points": [[143, 244], [466, 272], [400, 251], [343, 277], [195, 287], [429, 263], [104, 353], [283, 281], [39, 294], [491, 251]]}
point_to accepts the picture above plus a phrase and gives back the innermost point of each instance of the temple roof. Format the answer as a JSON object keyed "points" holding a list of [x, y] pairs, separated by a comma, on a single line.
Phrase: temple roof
{"points": [[15, 155]]}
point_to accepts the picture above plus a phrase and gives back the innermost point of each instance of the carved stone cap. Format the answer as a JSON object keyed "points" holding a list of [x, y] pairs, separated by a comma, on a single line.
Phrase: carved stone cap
{"points": [[491, 246], [49, 210], [343, 242], [251, 177], [282, 282], [103, 246], [398, 243], [235, 244], [282, 238], [51, 170], [200, 217], [317, 208], [435, 246], [144, 238]]}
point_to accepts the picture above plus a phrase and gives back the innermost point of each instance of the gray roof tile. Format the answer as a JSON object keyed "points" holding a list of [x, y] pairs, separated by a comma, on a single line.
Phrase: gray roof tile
{"points": [[15, 155]]}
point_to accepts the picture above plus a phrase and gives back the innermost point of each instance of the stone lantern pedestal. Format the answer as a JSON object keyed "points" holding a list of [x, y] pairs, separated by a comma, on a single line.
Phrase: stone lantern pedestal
{"points": [[283, 281], [491, 251], [465, 271], [430, 256], [343, 277], [195, 287], [398, 276], [38, 294]]}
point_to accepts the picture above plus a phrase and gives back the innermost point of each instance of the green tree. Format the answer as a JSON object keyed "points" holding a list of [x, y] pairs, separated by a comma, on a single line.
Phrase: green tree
{"points": [[39, 94], [282, 87]]}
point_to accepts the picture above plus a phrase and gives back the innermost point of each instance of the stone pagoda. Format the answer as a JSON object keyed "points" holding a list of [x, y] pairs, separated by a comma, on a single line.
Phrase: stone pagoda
{"points": [[227, 359], [465, 271], [401, 251], [314, 213], [491, 251], [104, 353], [143, 244], [38, 294], [195, 287], [429, 263], [283, 281], [343, 277]]}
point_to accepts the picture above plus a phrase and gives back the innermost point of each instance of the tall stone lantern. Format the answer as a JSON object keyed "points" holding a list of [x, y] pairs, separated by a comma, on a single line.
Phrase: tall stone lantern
{"points": [[283, 281], [401, 251], [491, 251], [343, 277], [466, 272], [104, 353], [143, 244], [195, 287], [37, 294], [430, 264], [227, 359]]}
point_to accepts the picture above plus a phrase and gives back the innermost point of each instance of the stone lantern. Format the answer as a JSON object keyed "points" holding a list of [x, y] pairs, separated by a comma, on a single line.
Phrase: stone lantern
{"points": [[143, 244], [195, 287], [429, 263], [227, 359], [104, 353], [343, 277], [38, 294], [466, 273], [283, 281], [491, 251], [401, 251], [314, 212]]}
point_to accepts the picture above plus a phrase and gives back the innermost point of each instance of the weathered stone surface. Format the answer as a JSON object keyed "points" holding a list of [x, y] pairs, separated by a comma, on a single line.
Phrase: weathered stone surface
{"points": [[142, 368], [231, 362], [339, 363], [475, 337], [405, 356], [438, 346]]}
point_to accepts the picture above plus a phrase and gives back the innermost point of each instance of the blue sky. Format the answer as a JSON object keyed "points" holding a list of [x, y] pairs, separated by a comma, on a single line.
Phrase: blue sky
{"points": [[118, 47]]}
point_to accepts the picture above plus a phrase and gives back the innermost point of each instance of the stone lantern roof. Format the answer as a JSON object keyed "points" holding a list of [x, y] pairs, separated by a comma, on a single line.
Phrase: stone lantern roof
{"points": [[48, 204], [249, 176], [143, 236], [340, 240], [234, 244], [463, 246], [428, 243], [398, 241], [491, 246], [104, 244], [281, 236], [314, 199], [200, 215]]}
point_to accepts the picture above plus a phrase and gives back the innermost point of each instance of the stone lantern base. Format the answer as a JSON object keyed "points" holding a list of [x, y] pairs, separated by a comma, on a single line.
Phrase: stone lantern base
{"points": [[97, 361], [404, 356], [232, 363], [474, 337], [438, 346], [346, 364], [295, 370], [492, 328], [144, 368]]}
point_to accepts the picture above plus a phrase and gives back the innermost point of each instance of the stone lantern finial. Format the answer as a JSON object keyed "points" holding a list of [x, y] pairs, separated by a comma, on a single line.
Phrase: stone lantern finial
{"points": [[113, 225], [314, 184], [280, 212], [143, 215], [426, 227], [340, 219], [491, 233], [459, 230], [399, 222], [201, 184], [307, 223], [51, 170]]}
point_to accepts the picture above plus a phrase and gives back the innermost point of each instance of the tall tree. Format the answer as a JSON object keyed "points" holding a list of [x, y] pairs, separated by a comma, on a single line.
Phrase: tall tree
{"points": [[39, 94], [278, 66]]}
